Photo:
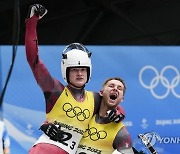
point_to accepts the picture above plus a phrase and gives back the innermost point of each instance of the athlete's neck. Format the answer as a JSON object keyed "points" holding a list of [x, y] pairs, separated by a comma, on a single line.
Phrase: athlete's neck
{"points": [[102, 120], [78, 93], [103, 109]]}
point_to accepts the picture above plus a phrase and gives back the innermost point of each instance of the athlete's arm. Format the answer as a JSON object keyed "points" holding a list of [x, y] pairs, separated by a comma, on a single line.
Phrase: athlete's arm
{"points": [[122, 142], [97, 102], [40, 72]]}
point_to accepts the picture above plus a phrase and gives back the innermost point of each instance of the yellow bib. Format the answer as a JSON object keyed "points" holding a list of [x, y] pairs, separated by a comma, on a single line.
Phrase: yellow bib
{"points": [[98, 139], [73, 117]]}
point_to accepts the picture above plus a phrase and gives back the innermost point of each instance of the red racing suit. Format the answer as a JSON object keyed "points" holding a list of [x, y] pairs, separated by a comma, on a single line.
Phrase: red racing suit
{"points": [[51, 87]]}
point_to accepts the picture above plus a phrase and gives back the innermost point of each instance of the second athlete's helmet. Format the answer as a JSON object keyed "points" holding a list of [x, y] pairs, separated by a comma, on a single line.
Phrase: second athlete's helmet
{"points": [[75, 55]]}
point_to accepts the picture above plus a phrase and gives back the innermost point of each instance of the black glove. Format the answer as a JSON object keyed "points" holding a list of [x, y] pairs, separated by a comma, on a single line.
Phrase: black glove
{"points": [[50, 130], [38, 10], [115, 115]]}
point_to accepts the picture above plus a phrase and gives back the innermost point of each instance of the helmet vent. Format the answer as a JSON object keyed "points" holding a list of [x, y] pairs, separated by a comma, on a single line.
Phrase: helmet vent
{"points": [[64, 56], [79, 63], [89, 54]]}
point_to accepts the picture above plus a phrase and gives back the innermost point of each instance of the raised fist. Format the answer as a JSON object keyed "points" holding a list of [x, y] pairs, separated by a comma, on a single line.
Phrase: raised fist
{"points": [[38, 10]]}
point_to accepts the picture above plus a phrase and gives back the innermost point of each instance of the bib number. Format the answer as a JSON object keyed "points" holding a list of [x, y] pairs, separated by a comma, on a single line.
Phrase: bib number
{"points": [[65, 137]]}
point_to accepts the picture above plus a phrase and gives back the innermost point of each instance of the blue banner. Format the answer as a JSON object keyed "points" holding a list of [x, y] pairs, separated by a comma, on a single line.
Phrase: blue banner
{"points": [[152, 99]]}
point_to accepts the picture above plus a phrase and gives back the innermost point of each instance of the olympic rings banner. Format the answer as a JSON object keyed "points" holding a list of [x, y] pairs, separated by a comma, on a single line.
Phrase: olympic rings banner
{"points": [[152, 99]]}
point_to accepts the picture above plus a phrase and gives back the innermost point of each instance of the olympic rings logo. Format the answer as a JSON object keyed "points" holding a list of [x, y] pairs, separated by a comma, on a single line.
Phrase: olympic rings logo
{"points": [[94, 134], [171, 84], [76, 111]]}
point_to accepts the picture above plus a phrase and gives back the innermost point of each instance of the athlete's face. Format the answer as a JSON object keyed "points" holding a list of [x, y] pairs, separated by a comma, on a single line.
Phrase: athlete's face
{"points": [[78, 76], [113, 93]]}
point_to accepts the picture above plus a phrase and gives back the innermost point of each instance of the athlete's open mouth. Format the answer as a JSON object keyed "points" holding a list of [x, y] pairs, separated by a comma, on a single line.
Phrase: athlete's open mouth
{"points": [[113, 96]]}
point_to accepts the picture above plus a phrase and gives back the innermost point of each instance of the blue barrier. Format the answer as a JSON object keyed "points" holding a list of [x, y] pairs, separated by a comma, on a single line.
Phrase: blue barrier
{"points": [[152, 100]]}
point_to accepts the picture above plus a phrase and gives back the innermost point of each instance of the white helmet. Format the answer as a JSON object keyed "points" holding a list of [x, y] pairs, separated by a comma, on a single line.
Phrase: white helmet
{"points": [[75, 55]]}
